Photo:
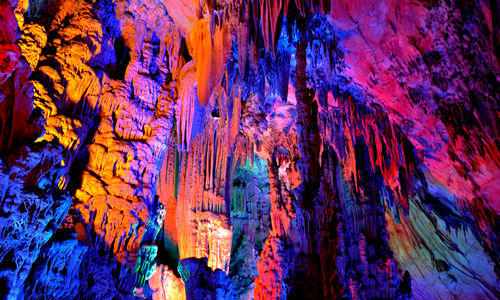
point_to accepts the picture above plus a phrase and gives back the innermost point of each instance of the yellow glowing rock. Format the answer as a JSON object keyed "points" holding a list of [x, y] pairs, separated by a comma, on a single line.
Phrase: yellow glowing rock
{"points": [[33, 40]]}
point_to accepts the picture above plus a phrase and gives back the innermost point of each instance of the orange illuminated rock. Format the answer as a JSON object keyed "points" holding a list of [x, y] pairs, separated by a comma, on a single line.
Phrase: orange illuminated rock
{"points": [[203, 207], [355, 157], [211, 42], [166, 285], [201, 39]]}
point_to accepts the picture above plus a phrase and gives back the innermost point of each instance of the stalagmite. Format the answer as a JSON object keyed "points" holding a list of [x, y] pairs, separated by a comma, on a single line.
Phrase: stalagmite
{"points": [[249, 149]]}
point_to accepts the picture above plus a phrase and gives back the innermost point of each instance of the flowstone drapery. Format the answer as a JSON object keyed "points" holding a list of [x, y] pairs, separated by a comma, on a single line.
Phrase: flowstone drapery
{"points": [[249, 149]]}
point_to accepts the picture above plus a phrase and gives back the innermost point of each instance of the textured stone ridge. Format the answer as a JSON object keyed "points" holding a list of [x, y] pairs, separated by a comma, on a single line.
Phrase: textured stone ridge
{"points": [[203, 283], [249, 149]]}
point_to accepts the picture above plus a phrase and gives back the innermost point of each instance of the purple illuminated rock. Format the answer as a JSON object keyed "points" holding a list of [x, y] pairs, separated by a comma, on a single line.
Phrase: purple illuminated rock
{"points": [[203, 283], [307, 149]]}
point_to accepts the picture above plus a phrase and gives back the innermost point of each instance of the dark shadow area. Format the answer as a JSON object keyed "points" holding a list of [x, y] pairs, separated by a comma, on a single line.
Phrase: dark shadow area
{"points": [[168, 252], [122, 53]]}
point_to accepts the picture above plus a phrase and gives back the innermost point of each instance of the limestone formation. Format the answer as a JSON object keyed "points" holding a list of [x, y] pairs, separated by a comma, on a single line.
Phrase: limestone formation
{"points": [[249, 149]]}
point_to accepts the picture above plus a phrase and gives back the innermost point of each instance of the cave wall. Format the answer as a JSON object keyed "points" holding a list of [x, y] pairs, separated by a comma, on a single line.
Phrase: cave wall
{"points": [[307, 149]]}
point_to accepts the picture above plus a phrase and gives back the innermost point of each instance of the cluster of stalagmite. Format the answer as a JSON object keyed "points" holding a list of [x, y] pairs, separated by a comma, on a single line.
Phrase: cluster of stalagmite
{"points": [[250, 149]]}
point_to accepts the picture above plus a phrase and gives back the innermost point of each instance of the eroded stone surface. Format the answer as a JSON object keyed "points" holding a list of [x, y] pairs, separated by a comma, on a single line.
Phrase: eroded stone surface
{"points": [[271, 149]]}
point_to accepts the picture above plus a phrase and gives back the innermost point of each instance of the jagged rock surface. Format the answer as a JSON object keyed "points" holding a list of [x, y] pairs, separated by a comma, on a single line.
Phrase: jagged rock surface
{"points": [[203, 283], [251, 224], [309, 149]]}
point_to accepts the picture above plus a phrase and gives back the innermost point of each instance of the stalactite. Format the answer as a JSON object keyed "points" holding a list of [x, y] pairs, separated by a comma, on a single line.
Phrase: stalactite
{"points": [[371, 124], [356, 156], [202, 212], [185, 105], [211, 40], [272, 14], [243, 34], [201, 38]]}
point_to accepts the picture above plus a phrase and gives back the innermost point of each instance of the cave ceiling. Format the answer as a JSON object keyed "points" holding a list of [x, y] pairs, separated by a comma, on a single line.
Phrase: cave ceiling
{"points": [[249, 149]]}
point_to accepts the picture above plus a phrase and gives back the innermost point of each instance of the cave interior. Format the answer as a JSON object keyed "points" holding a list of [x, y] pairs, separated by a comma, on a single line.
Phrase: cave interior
{"points": [[249, 149]]}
